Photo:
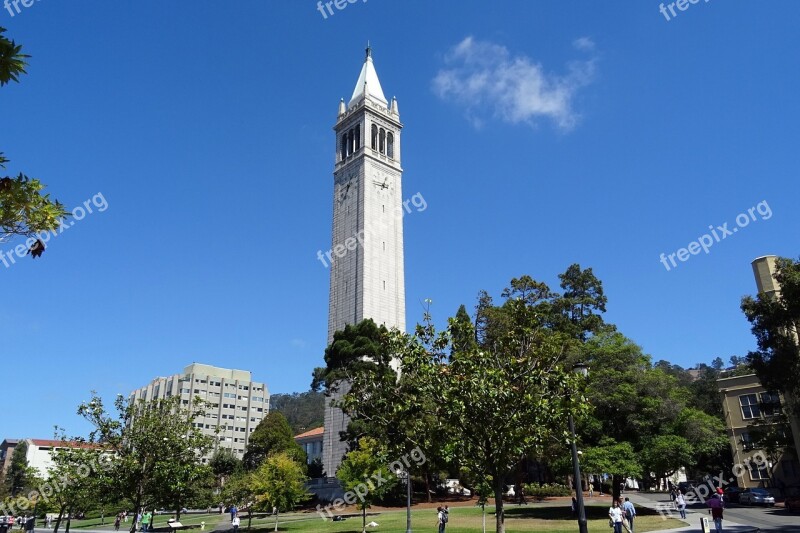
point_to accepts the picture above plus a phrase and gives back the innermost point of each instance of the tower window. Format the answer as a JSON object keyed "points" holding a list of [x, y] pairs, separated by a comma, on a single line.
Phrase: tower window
{"points": [[382, 145], [390, 145], [344, 146], [350, 138], [357, 144], [374, 137]]}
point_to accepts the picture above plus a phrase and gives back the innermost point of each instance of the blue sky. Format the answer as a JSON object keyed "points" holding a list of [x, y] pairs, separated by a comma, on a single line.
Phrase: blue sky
{"points": [[539, 133]]}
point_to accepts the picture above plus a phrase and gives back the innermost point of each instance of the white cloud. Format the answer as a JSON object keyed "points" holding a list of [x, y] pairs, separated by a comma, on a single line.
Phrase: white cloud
{"points": [[584, 43], [485, 78]]}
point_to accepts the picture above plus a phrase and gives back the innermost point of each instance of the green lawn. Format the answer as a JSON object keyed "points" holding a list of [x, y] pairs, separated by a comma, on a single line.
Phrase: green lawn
{"points": [[211, 521], [467, 520]]}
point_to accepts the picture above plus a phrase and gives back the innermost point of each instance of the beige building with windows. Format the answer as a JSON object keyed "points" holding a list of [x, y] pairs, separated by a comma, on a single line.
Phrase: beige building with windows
{"points": [[745, 404], [235, 403]]}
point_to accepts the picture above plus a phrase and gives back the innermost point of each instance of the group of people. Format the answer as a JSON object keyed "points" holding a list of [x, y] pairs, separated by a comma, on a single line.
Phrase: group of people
{"points": [[621, 514], [24, 522]]}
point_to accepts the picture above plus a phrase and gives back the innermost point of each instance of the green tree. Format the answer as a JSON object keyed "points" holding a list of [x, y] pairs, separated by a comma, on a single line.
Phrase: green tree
{"points": [[279, 482], [80, 473], [775, 323], [579, 309], [504, 398], [665, 454], [24, 209], [224, 464], [12, 60], [150, 441], [272, 435], [18, 475], [365, 474], [238, 490], [617, 459]]}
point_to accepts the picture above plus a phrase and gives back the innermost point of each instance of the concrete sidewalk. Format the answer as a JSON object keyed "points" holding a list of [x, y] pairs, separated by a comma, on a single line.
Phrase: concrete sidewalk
{"points": [[693, 516]]}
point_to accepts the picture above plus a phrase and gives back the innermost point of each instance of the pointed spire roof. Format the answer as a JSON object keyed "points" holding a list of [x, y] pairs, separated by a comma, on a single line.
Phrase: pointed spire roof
{"points": [[368, 83]]}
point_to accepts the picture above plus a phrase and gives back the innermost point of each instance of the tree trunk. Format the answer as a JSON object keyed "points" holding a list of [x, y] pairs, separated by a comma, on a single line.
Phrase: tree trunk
{"points": [[363, 519], [615, 483], [249, 518], [60, 517], [428, 486], [498, 506], [177, 515], [69, 520], [483, 509]]}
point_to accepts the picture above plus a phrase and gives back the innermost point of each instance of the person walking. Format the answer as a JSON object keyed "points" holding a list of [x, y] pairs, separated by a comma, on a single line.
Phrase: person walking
{"points": [[117, 521], [235, 524], [234, 510], [629, 511], [615, 516], [716, 505], [441, 519], [145, 521], [680, 502]]}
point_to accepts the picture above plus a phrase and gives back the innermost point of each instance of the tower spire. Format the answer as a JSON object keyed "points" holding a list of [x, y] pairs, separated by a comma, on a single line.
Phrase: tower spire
{"points": [[368, 84]]}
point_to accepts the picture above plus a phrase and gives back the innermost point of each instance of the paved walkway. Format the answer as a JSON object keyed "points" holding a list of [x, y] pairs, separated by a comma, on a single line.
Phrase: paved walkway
{"points": [[693, 516]]}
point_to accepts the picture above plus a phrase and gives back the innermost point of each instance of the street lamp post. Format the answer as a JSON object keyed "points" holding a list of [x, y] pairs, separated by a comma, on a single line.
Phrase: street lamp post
{"points": [[583, 370], [408, 501]]}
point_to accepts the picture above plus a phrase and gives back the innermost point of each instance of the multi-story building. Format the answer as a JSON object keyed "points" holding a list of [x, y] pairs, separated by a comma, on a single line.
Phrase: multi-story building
{"points": [[235, 404], [6, 451], [746, 404]]}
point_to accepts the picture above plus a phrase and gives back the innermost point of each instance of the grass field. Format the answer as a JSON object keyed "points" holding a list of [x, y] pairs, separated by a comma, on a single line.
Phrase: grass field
{"points": [[211, 521], [467, 520]]}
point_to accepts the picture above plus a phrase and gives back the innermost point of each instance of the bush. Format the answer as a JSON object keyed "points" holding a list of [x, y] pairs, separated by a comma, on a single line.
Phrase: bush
{"points": [[551, 490]]}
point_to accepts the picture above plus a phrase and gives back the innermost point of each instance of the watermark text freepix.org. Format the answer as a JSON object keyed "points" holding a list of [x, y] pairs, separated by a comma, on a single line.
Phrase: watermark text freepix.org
{"points": [[330, 4], [13, 5], [53, 486], [706, 241], [371, 483], [357, 239], [682, 5], [78, 213]]}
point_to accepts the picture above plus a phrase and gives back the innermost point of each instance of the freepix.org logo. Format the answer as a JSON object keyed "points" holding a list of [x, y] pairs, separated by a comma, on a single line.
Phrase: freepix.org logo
{"points": [[12, 6], [718, 233]]}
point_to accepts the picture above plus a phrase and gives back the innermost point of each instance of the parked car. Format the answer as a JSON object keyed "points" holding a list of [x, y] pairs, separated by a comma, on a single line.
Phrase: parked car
{"points": [[756, 497], [792, 504], [732, 493]]}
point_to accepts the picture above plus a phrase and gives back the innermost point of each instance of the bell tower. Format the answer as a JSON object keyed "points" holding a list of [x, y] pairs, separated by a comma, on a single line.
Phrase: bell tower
{"points": [[367, 275]]}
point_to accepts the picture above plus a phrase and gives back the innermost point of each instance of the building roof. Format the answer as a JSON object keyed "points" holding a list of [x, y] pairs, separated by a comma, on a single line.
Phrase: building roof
{"points": [[316, 432], [368, 83], [10, 442], [64, 444]]}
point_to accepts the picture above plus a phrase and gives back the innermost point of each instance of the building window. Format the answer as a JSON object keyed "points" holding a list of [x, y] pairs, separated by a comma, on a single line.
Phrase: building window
{"points": [[758, 472], [770, 403], [374, 137], [390, 145], [382, 141], [749, 404], [357, 142]]}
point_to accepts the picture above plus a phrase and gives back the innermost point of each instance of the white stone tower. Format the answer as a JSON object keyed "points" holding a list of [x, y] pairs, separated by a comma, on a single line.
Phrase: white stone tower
{"points": [[367, 277]]}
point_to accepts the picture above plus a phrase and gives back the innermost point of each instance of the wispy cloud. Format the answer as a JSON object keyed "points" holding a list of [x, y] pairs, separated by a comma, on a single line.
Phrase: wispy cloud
{"points": [[487, 80], [297, 343]]}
